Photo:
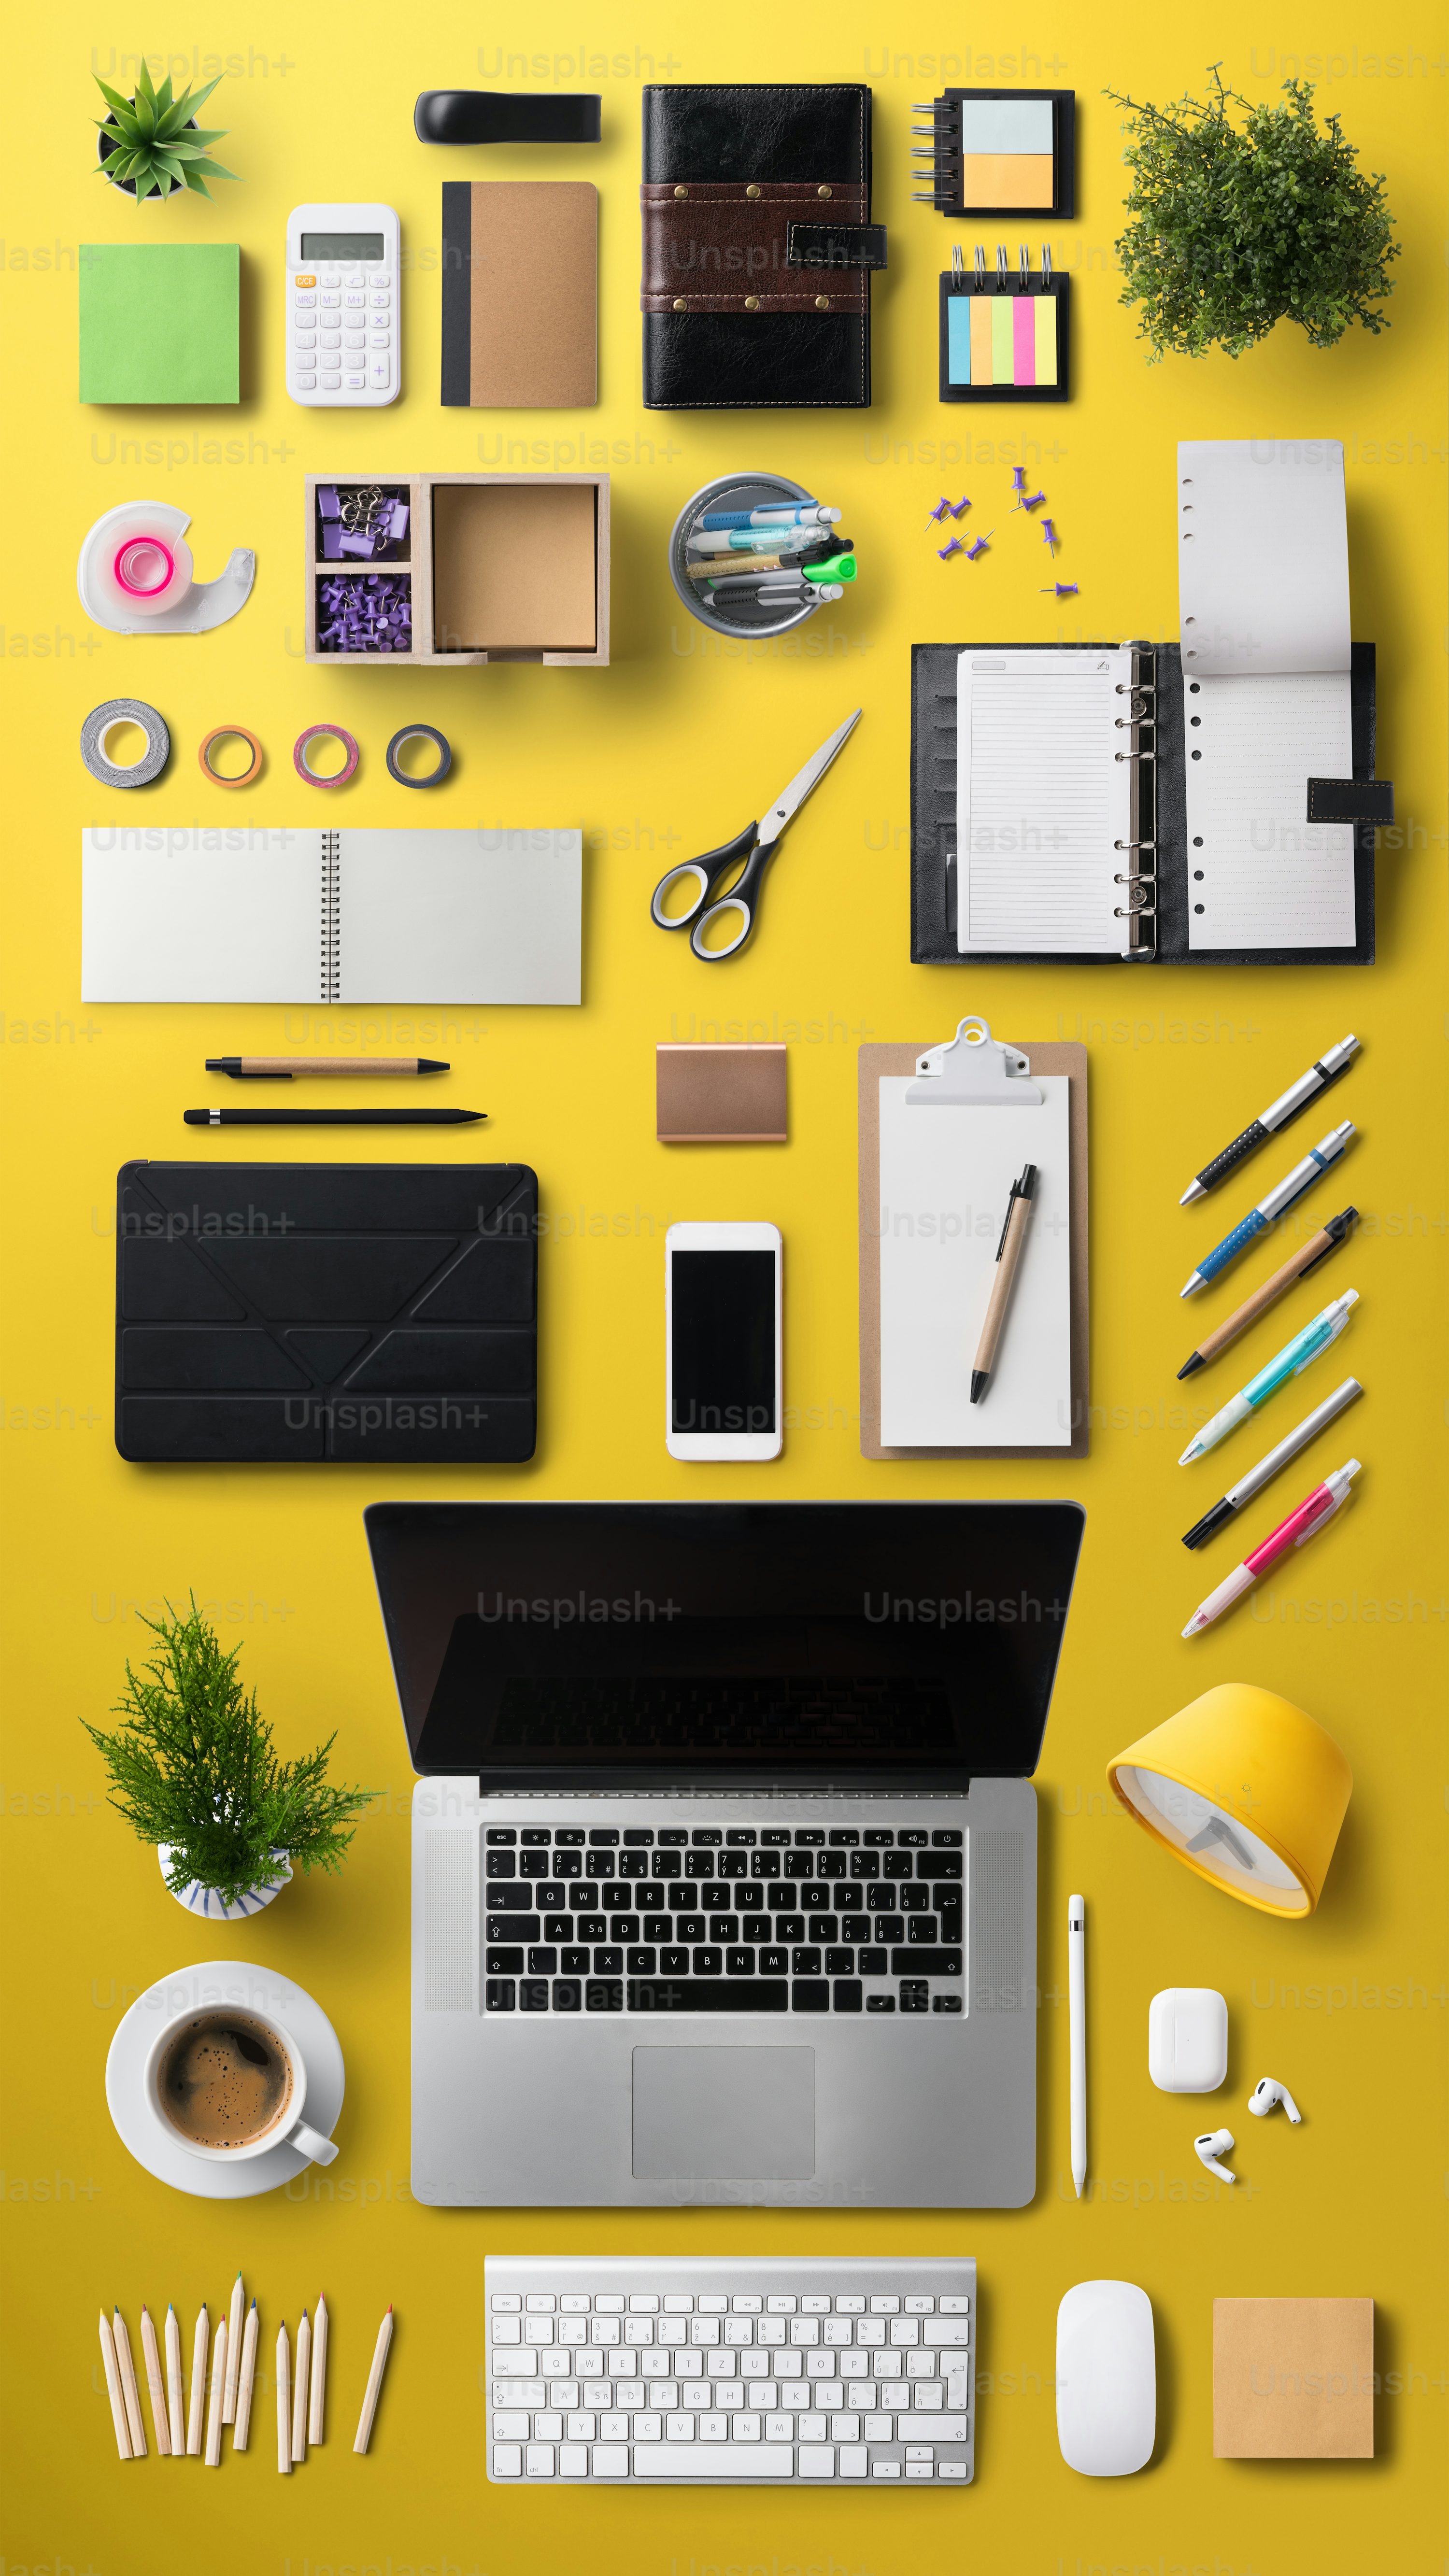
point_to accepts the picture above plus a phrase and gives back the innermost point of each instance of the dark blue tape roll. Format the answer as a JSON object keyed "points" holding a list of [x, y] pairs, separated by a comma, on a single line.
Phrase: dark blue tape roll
{"points": [[415, 733]]}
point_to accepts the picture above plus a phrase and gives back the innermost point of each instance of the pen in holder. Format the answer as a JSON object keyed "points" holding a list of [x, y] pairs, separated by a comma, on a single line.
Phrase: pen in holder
{"points": [[1005, 335]]}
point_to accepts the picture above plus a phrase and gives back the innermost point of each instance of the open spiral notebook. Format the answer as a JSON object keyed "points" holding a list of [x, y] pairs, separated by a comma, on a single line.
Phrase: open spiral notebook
{"points": [[251, 915]]}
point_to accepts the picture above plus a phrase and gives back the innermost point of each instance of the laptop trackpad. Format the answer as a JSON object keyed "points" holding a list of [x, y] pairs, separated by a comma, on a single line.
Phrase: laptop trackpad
{"points": [[724, 2114]]}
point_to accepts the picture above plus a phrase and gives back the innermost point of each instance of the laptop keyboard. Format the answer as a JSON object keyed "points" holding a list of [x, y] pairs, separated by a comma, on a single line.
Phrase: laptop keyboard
{"points": [[742, 2372], [723, 1919]]}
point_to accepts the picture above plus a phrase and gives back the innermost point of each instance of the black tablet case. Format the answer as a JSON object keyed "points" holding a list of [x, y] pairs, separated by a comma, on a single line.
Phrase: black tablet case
{"points": [[933, 821], [369, 1312], [772, 136]]}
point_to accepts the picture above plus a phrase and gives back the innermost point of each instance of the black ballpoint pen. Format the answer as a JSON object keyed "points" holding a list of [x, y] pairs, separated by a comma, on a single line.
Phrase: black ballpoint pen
{"points": [[333, 1117]]}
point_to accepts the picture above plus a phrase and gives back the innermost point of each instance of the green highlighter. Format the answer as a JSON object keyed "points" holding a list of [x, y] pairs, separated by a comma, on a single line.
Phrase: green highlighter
{"points": [[834, 568], [160, 322]]}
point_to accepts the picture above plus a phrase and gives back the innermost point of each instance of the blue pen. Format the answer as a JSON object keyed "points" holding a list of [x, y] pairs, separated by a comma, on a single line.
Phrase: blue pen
{"points": [[1295, 1355], [803, 514], [1291, 1187]]}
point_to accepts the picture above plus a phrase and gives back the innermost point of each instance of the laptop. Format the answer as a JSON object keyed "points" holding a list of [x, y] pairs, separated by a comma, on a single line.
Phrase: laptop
{"points": [[724, 1847]]}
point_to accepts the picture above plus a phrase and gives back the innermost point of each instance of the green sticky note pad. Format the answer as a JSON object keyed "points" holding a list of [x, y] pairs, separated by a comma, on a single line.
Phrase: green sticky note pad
{"points": [[160, 322]]}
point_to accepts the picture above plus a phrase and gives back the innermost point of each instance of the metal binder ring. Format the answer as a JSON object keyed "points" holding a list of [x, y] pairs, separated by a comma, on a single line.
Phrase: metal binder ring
{"points": [[1134, 845], [1134, 755], [1136, 902]]}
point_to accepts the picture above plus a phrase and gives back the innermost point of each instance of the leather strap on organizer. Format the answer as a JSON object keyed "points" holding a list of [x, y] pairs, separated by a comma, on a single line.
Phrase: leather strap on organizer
{"points": [[714, 246], [505, 116], [824, 245], [1350, 800]]}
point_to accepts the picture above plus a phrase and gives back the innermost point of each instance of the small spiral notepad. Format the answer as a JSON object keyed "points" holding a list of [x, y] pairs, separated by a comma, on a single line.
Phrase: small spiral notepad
{"points": [[1004, 331]]}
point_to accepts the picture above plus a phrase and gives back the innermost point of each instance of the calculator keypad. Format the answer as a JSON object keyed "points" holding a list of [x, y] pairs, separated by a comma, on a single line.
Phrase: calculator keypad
{"points": [[341, 331]]}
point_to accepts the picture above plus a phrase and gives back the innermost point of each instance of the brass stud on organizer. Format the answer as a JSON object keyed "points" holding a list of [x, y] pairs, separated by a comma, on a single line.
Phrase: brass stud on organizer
{"points": [[752, 304], [824, 192], [822, 303], [681, 304], [752, 190], [681, 192]]}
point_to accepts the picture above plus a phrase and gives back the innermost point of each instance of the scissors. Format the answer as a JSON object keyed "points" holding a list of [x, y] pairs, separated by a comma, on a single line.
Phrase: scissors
{"points": [[740, 864]]}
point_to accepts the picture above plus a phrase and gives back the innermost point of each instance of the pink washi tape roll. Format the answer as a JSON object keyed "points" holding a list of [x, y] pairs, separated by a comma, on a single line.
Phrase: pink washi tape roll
{"points": [[316, 733]]}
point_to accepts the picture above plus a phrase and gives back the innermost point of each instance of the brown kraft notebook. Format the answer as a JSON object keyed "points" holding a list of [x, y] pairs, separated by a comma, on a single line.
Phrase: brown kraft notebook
{"points": [[520, 293]]}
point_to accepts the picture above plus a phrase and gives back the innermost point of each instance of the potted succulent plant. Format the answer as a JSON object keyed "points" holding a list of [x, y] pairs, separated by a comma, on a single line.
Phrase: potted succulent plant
{"points": [[151, 144], [1233, 228], [192, 1769]]}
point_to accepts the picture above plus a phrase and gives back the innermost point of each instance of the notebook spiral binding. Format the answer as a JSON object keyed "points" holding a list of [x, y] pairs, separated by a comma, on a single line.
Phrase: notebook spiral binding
{"points": [[942, 152], [331, 916], [1140, 875]]}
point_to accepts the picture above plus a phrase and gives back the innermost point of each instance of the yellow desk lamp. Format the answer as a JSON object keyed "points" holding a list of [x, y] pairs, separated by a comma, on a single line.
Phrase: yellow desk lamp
{"points": [[1245, 1788]]}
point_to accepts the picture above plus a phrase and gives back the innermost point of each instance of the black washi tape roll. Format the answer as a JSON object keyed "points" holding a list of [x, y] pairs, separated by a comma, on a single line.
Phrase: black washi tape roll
{"points": [[420, 733], [134, 773]]}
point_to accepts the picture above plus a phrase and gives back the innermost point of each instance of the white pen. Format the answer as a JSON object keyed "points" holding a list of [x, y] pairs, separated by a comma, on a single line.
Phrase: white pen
{"points": [[1077, 2017], [1267, 1468], [1297, 1096], [1315, 1510]]}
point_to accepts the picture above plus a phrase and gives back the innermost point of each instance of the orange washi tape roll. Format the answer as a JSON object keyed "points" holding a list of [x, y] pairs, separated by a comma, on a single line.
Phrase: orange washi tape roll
{"points": [[223, 733]]}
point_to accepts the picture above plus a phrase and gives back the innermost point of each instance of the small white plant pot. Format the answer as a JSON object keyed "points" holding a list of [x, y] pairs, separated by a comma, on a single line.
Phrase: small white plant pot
{"points": [[199, 1899]]}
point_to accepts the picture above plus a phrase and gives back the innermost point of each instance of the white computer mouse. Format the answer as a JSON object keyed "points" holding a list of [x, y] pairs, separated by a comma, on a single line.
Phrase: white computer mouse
{"points": [[1106, 2379]]}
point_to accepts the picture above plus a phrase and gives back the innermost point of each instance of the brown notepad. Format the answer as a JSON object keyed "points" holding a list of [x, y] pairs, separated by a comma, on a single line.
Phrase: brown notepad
{"points": [[1293, 2379], [720, 1095], [520, 293], [513, 566]]}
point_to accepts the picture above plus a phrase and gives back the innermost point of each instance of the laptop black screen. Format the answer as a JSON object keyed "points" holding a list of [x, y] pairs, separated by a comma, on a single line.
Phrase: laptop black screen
{"points": [[591, 1644]]}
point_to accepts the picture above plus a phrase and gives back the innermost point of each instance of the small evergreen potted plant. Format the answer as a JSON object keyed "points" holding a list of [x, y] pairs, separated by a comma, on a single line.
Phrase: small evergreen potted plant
{"points": [[1231, 229], [151, 144], [192, 1769]]}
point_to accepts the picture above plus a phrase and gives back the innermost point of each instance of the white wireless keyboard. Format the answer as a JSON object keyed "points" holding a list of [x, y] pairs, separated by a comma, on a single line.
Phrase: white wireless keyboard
{"points": [[736, 2372]]}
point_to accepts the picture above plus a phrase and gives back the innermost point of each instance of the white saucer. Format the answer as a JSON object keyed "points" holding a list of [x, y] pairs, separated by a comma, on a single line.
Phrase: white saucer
{"points": [[259, 1990]]}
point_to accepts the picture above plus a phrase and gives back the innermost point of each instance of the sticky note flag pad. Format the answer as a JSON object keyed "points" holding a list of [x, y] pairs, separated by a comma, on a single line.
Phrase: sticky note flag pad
{"points": [[160, 322], [1006, 154], [1001, 342]]}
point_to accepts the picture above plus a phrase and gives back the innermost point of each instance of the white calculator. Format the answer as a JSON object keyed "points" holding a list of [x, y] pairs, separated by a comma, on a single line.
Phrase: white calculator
{"points": [[344, 305]]}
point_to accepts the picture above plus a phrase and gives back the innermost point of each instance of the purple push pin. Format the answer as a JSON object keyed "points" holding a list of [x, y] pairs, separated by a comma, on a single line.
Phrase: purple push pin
{"points": [[1029, 500], [1018, 478], [1060, 590], [1050, 534], [978, 549], [945, 552], [941, 509], [963, 504]]}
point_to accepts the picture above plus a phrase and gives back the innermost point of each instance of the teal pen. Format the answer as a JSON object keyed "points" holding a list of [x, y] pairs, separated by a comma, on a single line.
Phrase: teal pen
{"points": [[1294, 1356]]}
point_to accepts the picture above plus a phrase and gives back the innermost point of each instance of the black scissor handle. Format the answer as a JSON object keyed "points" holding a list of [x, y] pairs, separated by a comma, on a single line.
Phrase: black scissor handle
{"points": [[709, 870]]}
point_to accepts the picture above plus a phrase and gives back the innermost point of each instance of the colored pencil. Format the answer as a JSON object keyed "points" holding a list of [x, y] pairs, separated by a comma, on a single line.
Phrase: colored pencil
{"points": [[175, 2384], [218, 2392], [233, 2351], [154, 2381], [196, 2409], [129, 2391], [245, 2378], [113, 2388], [303, 2369], [374, 2383], [317, 2395], [284, 2404]]}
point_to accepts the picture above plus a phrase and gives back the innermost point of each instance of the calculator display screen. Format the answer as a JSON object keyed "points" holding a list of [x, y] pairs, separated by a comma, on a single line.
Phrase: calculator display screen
{"points": [[342, 246]]}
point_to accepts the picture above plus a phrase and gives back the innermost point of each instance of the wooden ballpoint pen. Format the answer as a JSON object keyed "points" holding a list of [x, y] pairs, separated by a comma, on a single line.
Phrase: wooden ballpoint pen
{"points": [[286, 1068]]}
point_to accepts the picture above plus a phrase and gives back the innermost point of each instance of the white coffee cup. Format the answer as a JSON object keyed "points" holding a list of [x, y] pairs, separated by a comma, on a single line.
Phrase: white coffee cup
{"points": [[289, 2129]]}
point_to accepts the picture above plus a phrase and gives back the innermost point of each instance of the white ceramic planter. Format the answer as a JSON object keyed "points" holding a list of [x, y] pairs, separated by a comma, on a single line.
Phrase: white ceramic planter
{"points": [[198, 1899]]}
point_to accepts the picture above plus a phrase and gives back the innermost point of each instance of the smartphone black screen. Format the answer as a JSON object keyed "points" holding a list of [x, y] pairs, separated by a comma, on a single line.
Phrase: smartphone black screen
{"points": [[723, 1306]]}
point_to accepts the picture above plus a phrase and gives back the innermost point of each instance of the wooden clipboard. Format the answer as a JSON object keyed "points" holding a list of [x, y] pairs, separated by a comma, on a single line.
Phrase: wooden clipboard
{"points": [[875, 1062]]}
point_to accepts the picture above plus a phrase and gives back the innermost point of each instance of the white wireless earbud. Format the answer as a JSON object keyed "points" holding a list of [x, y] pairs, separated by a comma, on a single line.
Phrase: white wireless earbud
{"points": [[1211, 2146], [1267, 2094]]}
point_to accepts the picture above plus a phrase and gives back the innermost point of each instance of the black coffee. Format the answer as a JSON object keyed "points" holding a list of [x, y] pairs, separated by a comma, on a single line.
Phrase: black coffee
{"points": [[225, 2079]]}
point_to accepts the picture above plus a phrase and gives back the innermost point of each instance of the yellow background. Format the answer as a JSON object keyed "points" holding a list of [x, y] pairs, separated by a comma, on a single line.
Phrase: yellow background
{"points": [[663, 754]]}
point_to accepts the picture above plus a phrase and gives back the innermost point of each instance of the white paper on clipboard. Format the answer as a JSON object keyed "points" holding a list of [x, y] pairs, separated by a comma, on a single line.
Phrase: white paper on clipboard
{"points": [[945, 1176]]}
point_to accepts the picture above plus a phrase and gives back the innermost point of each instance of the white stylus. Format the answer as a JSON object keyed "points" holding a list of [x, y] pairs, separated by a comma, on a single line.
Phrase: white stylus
{"points": [[1077, 2015]]}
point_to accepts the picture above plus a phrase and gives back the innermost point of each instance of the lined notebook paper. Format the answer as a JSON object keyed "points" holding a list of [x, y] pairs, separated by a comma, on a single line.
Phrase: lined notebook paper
{"points": [[1263, 594], [251, 915], [1041, 800]]}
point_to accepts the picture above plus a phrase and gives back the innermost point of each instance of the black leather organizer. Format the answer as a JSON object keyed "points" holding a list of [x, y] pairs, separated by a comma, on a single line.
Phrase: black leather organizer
{"points": [[373, 1313], [758, 246]]}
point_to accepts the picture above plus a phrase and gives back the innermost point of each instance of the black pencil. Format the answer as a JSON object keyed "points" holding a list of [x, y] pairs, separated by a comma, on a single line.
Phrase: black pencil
{"points": [[333, 1117]]}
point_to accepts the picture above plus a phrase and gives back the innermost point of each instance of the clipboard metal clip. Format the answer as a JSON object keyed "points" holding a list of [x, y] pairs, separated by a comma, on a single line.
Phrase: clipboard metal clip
{"points": [[973, 1068]]}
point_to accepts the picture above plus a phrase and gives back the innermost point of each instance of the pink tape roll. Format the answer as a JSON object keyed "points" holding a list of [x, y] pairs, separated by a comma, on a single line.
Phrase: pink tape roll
{"points": [[136, 563], [313, 734]]}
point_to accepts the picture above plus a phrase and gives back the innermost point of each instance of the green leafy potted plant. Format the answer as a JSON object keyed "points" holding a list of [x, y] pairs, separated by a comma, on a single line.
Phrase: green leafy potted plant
{"points": [[151, 143], [193, 1770], [1232, 229]]}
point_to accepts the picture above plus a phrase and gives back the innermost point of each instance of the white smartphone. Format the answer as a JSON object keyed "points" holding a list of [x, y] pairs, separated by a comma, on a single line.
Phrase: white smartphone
{"points": [[723, 1341]]}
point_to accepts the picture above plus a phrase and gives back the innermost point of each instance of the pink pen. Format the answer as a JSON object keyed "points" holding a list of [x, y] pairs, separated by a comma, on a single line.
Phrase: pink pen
{"points": [[1300, 1526]]}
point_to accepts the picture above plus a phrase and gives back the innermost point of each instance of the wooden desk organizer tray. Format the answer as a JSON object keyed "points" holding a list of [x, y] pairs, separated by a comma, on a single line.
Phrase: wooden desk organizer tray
{"points": [[489, 568]]}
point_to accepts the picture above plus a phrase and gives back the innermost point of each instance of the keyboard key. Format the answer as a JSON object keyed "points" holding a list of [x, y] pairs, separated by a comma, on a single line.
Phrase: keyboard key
{"points": [[926, 1963], [609, 1960], [566, 1994], [746, 2463], [816, 2460], [852, 2460], [671, 1994], [708, 1835], [946, 2330], [911, 1836], [810, 1994], [611, 2459], [538, 2459], [885, 2468], [740, 1837], [846, 1994], [880, 2003], [740, 1963], [777, 1836], [947, 1841], [507, 2460], [805, 1963], [843, 1837], [603, 1995], [946, 2003], [939, 1865], [814, 1835], [499, 1995], [533, 1996], [510, 2428], [574, 1963], [708, 1963], [636, 1836], [543, 1962], [642, 1963]]}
